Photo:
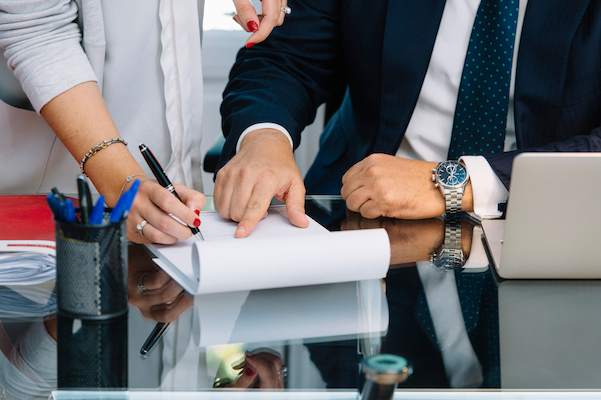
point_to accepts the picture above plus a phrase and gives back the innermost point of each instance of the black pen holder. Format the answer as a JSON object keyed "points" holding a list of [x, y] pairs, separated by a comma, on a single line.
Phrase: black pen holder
{"points": [[91, 270], [91, 291], [92, 354]]}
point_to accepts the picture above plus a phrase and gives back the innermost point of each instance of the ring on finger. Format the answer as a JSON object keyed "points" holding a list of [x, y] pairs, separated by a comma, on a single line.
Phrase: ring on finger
{"points": [[140, 227], [286, 10], [141, 288]]}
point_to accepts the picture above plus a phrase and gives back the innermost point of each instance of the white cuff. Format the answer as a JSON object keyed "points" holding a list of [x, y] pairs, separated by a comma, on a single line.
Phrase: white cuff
{"points": [[487, 188], [265, 125]]}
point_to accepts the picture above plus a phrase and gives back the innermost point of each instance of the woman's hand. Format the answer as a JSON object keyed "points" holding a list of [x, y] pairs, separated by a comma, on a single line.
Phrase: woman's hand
{"points": [[153, 204], [151, 290], [260, 25]]}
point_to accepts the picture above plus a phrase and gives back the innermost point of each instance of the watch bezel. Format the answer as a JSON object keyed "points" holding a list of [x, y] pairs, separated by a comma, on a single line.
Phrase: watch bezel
{"points": [[447, 186]]}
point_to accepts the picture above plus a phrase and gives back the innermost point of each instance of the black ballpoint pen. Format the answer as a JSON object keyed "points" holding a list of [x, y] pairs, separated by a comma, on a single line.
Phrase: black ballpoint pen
{"points": [[85, 199], [163, 180]]}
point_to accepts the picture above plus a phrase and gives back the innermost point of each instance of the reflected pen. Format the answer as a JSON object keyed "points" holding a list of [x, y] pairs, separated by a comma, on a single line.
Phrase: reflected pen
{"points": [[163, 180], [154, 337]]}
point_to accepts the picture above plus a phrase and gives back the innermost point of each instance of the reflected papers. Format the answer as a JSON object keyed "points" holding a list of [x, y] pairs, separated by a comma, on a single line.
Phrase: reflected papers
{"points": [[308, 312]]}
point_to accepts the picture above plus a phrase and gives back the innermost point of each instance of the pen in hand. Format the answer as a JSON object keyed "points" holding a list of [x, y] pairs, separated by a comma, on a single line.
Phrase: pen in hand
{"points": [[163, 180]]}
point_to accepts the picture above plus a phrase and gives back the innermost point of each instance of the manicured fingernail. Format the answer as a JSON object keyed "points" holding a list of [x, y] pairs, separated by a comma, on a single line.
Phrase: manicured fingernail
{"points": [[249, 372], [252, 26], [249, 45], [197, 222], [197, 212]]}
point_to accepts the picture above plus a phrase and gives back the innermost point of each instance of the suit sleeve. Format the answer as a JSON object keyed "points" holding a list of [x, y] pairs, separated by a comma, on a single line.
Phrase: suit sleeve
{"points": [[502, 163], [285, 78], [42, 43]]}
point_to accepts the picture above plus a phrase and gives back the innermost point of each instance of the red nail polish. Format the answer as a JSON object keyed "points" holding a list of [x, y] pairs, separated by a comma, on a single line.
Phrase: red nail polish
{"points": [[252, 26], [197, 212], [249, 372], [249, 45], [197, 222]]}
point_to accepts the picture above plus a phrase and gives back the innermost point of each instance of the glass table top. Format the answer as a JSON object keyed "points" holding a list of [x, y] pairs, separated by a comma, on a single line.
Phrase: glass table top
{"points": [[457, 329]]}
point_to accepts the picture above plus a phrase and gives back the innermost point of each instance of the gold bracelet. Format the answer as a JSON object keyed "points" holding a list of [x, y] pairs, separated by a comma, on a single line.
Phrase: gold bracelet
{"points": [[102, 145], [127, 180]]}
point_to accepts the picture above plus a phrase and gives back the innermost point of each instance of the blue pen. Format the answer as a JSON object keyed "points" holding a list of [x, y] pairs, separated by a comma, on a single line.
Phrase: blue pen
{"points": [[68, 211], [119, 208], [97, 214], [125, 202], [55, 206], [133, 190]]}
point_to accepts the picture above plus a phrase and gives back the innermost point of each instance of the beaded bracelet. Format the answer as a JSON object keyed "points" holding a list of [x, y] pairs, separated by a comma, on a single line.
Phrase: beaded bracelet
{"points": [[102, 145], [127, 180]]}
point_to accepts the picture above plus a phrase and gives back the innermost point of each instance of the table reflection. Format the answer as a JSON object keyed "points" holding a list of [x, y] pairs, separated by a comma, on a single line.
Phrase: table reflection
{"points": [[458, 329]]}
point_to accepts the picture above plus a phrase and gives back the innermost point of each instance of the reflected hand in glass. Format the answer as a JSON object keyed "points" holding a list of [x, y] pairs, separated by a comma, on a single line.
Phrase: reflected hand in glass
{"points": [[411, 240], [263, 368], [153, 291]]}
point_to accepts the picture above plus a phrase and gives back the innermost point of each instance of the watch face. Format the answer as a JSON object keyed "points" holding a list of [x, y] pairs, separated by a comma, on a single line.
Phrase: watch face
{"points": [[447, 262], [451, 173]]}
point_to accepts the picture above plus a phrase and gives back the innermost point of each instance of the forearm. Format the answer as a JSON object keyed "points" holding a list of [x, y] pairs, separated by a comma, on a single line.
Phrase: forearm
{"points": [[80, 119]]}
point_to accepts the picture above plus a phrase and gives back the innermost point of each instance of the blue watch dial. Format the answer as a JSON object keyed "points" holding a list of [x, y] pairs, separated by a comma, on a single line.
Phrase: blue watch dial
{"points": [[451, 173]]}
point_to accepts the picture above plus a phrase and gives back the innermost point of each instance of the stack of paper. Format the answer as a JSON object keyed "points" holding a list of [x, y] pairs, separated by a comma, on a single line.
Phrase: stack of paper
{"points": [[28, 268]]}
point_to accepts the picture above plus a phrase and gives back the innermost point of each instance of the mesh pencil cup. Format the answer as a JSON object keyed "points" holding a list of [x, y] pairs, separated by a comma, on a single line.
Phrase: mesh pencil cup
{"points": [[91, 291], [91, 270]]}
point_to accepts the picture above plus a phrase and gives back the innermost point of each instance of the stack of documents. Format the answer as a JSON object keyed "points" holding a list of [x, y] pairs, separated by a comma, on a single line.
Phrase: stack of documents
{"points": [[27, 268]]}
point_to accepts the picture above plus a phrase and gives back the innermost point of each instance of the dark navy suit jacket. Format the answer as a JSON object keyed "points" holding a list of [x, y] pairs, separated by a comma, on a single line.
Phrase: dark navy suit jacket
{"points": [[381, 50]]}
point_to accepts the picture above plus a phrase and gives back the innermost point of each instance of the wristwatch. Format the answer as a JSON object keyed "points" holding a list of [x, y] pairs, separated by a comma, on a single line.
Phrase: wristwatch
{"points": [[450, 256], [451, 177]]}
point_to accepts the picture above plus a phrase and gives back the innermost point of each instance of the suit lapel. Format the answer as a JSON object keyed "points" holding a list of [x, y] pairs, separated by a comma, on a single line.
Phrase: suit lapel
{"points": [[542, 66], [409, 35]]}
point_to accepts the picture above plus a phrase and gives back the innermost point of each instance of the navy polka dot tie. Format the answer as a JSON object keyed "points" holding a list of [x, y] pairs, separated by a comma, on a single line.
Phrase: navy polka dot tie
{"points": [[481, 112]]}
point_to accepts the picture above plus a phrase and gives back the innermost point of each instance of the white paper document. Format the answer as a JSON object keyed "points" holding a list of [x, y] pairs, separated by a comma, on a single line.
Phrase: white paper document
{"points": [[276, 254]]}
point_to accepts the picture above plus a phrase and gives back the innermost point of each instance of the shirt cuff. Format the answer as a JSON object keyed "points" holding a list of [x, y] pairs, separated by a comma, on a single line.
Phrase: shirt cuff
{"points": [[266, 125], [487, 188]]}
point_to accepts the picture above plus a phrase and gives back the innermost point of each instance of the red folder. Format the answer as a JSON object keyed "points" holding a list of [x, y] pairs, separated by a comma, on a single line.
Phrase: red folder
{"points": [[26, 217]]}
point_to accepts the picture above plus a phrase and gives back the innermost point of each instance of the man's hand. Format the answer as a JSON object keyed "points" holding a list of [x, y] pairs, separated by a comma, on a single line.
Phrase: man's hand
{"points": [[389, 186], [264, 168], [260, 25]]}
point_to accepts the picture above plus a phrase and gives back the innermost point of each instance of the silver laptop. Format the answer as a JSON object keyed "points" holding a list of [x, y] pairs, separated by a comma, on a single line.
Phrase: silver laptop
{"points": [[552, 228]]}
